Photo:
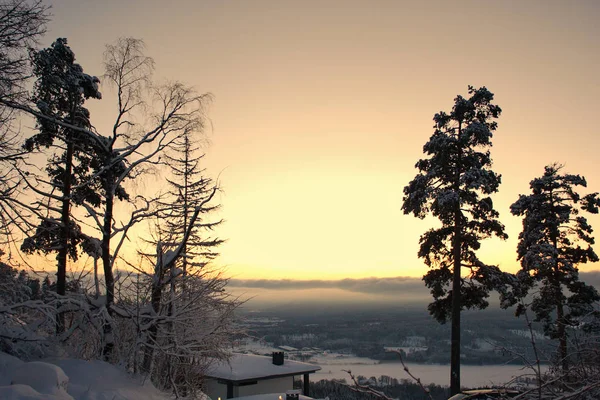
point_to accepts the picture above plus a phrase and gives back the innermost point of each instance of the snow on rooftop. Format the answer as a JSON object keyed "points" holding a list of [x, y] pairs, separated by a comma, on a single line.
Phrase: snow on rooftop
{"points": [[288, 348], [242, 367]]}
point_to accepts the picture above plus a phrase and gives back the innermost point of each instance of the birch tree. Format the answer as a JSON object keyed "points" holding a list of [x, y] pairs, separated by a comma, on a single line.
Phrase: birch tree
{"points": [[192, 315], [454, 184], [149, 119], [556, 238]]}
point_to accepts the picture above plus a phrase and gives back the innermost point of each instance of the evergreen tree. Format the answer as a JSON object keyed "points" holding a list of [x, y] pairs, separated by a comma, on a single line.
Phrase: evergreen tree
{"points": [[59, 93], [189, 187], [454, 184], [555, 239]]}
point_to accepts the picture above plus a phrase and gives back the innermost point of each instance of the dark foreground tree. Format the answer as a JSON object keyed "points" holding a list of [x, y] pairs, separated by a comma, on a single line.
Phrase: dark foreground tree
{"points": [[454, 184], [22, 23], [555, 239], [60, 92]]}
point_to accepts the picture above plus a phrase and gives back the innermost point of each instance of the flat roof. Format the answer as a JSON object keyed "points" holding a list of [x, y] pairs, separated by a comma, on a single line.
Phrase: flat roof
{"points": [[249, 367], [288, 348]]}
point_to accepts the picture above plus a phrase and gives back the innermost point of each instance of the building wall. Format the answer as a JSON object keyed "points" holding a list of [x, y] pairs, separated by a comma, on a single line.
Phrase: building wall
{"points": [[215, 389], [277, 385]]}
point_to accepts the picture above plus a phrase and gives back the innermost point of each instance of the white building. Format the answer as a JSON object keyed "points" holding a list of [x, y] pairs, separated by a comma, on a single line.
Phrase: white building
{"points": [[247, 375]]}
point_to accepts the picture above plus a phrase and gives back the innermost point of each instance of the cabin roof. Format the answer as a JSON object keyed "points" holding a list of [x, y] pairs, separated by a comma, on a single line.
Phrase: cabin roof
{"points": [[249, 367]]}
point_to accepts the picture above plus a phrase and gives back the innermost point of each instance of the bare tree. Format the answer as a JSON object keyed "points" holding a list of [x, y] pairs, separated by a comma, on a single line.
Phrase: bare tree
{"points": [[22, 23], [177, 332], [167, 112]]}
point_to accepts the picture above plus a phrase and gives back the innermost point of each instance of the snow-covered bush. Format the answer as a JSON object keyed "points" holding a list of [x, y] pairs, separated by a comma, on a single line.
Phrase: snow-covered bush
{"points": [[174, 342], [24, 317]]}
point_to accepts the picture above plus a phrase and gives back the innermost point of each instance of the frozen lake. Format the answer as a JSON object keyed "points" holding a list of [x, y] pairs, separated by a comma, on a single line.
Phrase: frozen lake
{"points": [[332, 365], [471, 375]]}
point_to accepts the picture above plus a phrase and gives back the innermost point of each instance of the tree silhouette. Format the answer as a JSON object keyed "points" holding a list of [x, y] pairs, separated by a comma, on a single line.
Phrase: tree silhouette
{"points": [[453, 184], [60, 92], [550, 248], [189, 187]]}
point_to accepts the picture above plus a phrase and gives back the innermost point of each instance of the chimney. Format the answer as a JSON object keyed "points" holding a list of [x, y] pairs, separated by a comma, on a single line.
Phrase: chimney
{"points": [[278, 358]]}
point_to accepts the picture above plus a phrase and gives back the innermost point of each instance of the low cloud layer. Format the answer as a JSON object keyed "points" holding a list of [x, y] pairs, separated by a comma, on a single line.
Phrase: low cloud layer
{"points": [[366, 292], [387, 286], [384, 286]]}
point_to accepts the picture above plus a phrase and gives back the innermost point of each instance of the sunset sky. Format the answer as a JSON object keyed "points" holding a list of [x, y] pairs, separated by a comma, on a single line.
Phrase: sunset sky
{"points": [[321, 109]]}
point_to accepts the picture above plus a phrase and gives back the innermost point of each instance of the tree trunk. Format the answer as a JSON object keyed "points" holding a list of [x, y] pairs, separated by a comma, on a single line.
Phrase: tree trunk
{"points": [[562, 338], [157, 287], [61, 274], [560, 315], [456, 283], [185, 202], [108, 273], [455, 347], [155, 300]]}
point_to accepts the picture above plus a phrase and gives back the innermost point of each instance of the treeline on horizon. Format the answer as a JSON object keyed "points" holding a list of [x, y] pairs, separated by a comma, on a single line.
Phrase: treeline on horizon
{"points": [[392, 387]]}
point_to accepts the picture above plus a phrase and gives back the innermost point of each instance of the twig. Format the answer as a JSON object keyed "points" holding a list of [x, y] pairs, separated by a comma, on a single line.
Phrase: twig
{"points": [[365, 388], [418, 380]]}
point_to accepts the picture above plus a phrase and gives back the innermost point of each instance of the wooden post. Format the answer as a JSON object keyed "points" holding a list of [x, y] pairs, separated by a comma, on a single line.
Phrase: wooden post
{"points": [[230, 390], [306, 385]]}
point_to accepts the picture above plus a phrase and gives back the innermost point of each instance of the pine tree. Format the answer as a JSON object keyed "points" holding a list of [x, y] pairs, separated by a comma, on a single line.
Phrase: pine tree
{"points": [[454, 184], [189, 187], [60, 92], [555, 239]]}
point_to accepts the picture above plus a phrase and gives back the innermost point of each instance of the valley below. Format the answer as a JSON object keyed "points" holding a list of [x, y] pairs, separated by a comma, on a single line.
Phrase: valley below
{"points": [[496, 346]]}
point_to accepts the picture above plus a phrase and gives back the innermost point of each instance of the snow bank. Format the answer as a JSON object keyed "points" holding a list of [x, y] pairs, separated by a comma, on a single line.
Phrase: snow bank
{"points": [[69, 379], [7, 363], [43, 378], [25, 392]]}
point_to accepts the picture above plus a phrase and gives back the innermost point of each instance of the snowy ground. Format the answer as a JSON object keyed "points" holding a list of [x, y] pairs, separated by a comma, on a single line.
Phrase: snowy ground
{"points": [[69, 379]]}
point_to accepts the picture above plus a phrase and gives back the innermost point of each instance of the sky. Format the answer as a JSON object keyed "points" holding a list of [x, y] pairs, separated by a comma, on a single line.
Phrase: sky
{"points": [[321, 109]]}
